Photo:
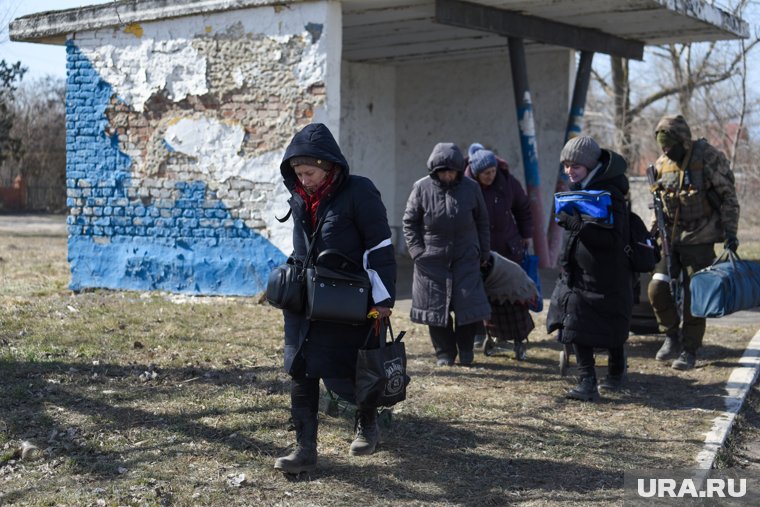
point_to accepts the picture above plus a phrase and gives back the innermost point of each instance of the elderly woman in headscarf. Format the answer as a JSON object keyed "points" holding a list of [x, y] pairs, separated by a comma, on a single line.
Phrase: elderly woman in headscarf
{"points": [[446, 232], [511, 225]]}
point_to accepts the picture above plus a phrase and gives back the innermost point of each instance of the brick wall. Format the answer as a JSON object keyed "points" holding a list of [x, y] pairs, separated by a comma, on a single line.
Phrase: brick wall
{"points": [[173, 181]]}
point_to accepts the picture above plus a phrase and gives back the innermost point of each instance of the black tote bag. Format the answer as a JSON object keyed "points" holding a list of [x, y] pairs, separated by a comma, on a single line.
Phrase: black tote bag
{"points": [[381, 377], [337, 290]]}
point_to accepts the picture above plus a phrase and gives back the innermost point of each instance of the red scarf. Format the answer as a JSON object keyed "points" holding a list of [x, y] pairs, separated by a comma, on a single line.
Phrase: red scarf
{"points": [[312, 201]]}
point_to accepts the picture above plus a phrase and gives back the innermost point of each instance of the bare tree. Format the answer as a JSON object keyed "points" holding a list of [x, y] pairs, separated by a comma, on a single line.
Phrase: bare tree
{"points": [[679, 74], [40, 124]]}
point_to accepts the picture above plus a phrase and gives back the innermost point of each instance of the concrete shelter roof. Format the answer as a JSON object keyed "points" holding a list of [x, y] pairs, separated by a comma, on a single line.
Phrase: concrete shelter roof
{"points": [[408, 30]]}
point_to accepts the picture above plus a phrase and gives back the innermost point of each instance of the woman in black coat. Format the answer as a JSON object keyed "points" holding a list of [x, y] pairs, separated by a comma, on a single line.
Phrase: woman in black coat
{"points": [[446, 232], [355, 223], [593, 297]]}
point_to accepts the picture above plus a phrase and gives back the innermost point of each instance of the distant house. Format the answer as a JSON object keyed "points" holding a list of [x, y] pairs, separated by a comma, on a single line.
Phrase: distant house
{"points": [[178, 113]]}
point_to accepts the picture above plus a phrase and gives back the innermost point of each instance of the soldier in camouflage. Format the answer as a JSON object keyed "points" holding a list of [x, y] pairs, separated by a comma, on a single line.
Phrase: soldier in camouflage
{"points": [[701, 209]]}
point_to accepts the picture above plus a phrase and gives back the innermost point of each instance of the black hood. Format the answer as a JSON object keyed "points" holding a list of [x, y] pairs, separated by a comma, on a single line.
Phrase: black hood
{"points": [[314, 140], [612, 171]]}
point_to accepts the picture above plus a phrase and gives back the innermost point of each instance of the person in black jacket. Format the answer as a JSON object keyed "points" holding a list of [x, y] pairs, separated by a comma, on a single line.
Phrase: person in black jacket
{"points": [[592, 300], [355, 223], [446, 232]]}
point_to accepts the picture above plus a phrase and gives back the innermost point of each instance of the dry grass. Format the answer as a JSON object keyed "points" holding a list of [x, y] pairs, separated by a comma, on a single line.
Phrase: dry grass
{"points": [[147, 399]]}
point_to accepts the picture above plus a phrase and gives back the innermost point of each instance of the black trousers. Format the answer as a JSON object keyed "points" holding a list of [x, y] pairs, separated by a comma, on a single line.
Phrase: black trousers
{"points": [[585, 357], [448, 341]]}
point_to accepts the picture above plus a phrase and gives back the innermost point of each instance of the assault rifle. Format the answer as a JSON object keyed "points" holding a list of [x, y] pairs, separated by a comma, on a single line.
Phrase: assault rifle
{"points": [[662, 227]]}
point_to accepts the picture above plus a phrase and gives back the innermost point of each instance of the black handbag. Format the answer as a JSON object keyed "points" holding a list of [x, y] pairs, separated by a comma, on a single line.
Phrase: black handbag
{"points": [[381, 377], [286, 287], [337, 290]]}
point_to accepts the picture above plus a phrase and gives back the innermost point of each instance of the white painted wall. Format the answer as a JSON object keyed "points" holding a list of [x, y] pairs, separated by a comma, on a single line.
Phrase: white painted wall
{"points": [[328, 67], [414, 106], [472, 101], [368, 123]]}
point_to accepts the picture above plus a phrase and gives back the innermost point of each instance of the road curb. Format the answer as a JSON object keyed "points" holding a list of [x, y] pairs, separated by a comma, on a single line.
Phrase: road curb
{"points": [[739, 383]]}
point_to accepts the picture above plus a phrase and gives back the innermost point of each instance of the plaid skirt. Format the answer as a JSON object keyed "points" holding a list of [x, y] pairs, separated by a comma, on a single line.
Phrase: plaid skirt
{"points": [[509, 322]]}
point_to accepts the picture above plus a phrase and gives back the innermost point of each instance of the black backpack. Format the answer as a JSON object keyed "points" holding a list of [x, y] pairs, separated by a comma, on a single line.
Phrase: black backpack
{"points": [[642, 250]]}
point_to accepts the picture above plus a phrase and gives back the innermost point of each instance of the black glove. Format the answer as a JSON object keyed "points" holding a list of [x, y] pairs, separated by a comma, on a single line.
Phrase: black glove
{"points": [[731, 243], [572, 222]]}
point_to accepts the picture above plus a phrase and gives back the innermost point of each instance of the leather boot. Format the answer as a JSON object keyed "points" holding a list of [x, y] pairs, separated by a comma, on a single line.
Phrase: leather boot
{"points": [[304, 456], [671, 347], [521, 350], [367, 432], [586, 390], [686, 361]]}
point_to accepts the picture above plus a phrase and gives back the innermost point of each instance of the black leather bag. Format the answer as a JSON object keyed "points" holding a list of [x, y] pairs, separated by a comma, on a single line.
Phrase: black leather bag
{"points": [[381, 377], [337, 290], [286, 287]]}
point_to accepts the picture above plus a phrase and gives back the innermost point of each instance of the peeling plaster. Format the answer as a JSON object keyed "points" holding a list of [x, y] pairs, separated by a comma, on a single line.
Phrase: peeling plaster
{"points": [[135, 29], [159, 58], [215, 146], [137, 71]]}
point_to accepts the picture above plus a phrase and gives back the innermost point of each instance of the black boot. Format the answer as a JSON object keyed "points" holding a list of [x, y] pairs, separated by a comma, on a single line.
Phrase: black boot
{"points": [[367, 432], [686, 361], [671, 347], [304, 456], [584, 391], [521, 350], [612, 382]]}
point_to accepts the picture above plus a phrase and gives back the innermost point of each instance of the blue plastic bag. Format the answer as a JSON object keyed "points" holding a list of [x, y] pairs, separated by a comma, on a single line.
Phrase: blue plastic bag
{"points": [[593, 205], [530, 266]]}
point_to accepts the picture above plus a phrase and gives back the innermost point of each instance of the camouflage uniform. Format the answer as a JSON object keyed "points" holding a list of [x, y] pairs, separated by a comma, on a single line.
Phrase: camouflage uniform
{"points": [[701, 209]]}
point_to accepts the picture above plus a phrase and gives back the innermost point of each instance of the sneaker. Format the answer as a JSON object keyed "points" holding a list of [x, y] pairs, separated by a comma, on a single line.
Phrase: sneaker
{"points": [[686, 361], [521, 351], [612, 382], [584, 391], [670, 349], [466, 357], [445, 361]]}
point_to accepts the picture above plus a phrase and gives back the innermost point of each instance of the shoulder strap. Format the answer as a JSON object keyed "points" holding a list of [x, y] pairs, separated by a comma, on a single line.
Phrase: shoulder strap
{"points": [[313, 240], [285, 218]]}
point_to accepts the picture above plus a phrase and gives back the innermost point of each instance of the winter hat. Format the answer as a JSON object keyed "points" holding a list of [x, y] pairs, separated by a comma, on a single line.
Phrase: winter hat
{"points": [[473, 148], [445, 156], [482, 160], [316, 162], [675, 125], [582, 150]]}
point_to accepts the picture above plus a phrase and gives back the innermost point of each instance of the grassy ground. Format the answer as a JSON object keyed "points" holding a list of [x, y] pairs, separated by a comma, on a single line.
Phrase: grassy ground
{"points": [[150, 399]]}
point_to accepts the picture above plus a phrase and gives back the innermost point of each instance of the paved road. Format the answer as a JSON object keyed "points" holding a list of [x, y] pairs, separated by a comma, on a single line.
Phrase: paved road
{"points": [[33, 223]]}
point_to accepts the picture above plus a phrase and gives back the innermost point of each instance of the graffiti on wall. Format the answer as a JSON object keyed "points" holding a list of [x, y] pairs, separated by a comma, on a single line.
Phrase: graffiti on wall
{"points": [[174, 145]]}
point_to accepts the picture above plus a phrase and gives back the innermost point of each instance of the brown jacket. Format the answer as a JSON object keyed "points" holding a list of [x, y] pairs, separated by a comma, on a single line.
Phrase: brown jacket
{"points": [[701, 206]]}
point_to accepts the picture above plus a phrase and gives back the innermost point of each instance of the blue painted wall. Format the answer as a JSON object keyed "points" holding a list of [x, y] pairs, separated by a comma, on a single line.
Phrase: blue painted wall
{"points": [[118, 242]]}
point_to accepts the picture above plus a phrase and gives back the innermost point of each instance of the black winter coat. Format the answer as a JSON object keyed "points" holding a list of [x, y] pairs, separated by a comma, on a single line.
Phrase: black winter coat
{"points": [[593, 297], [355, 221], [446, 232]]}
